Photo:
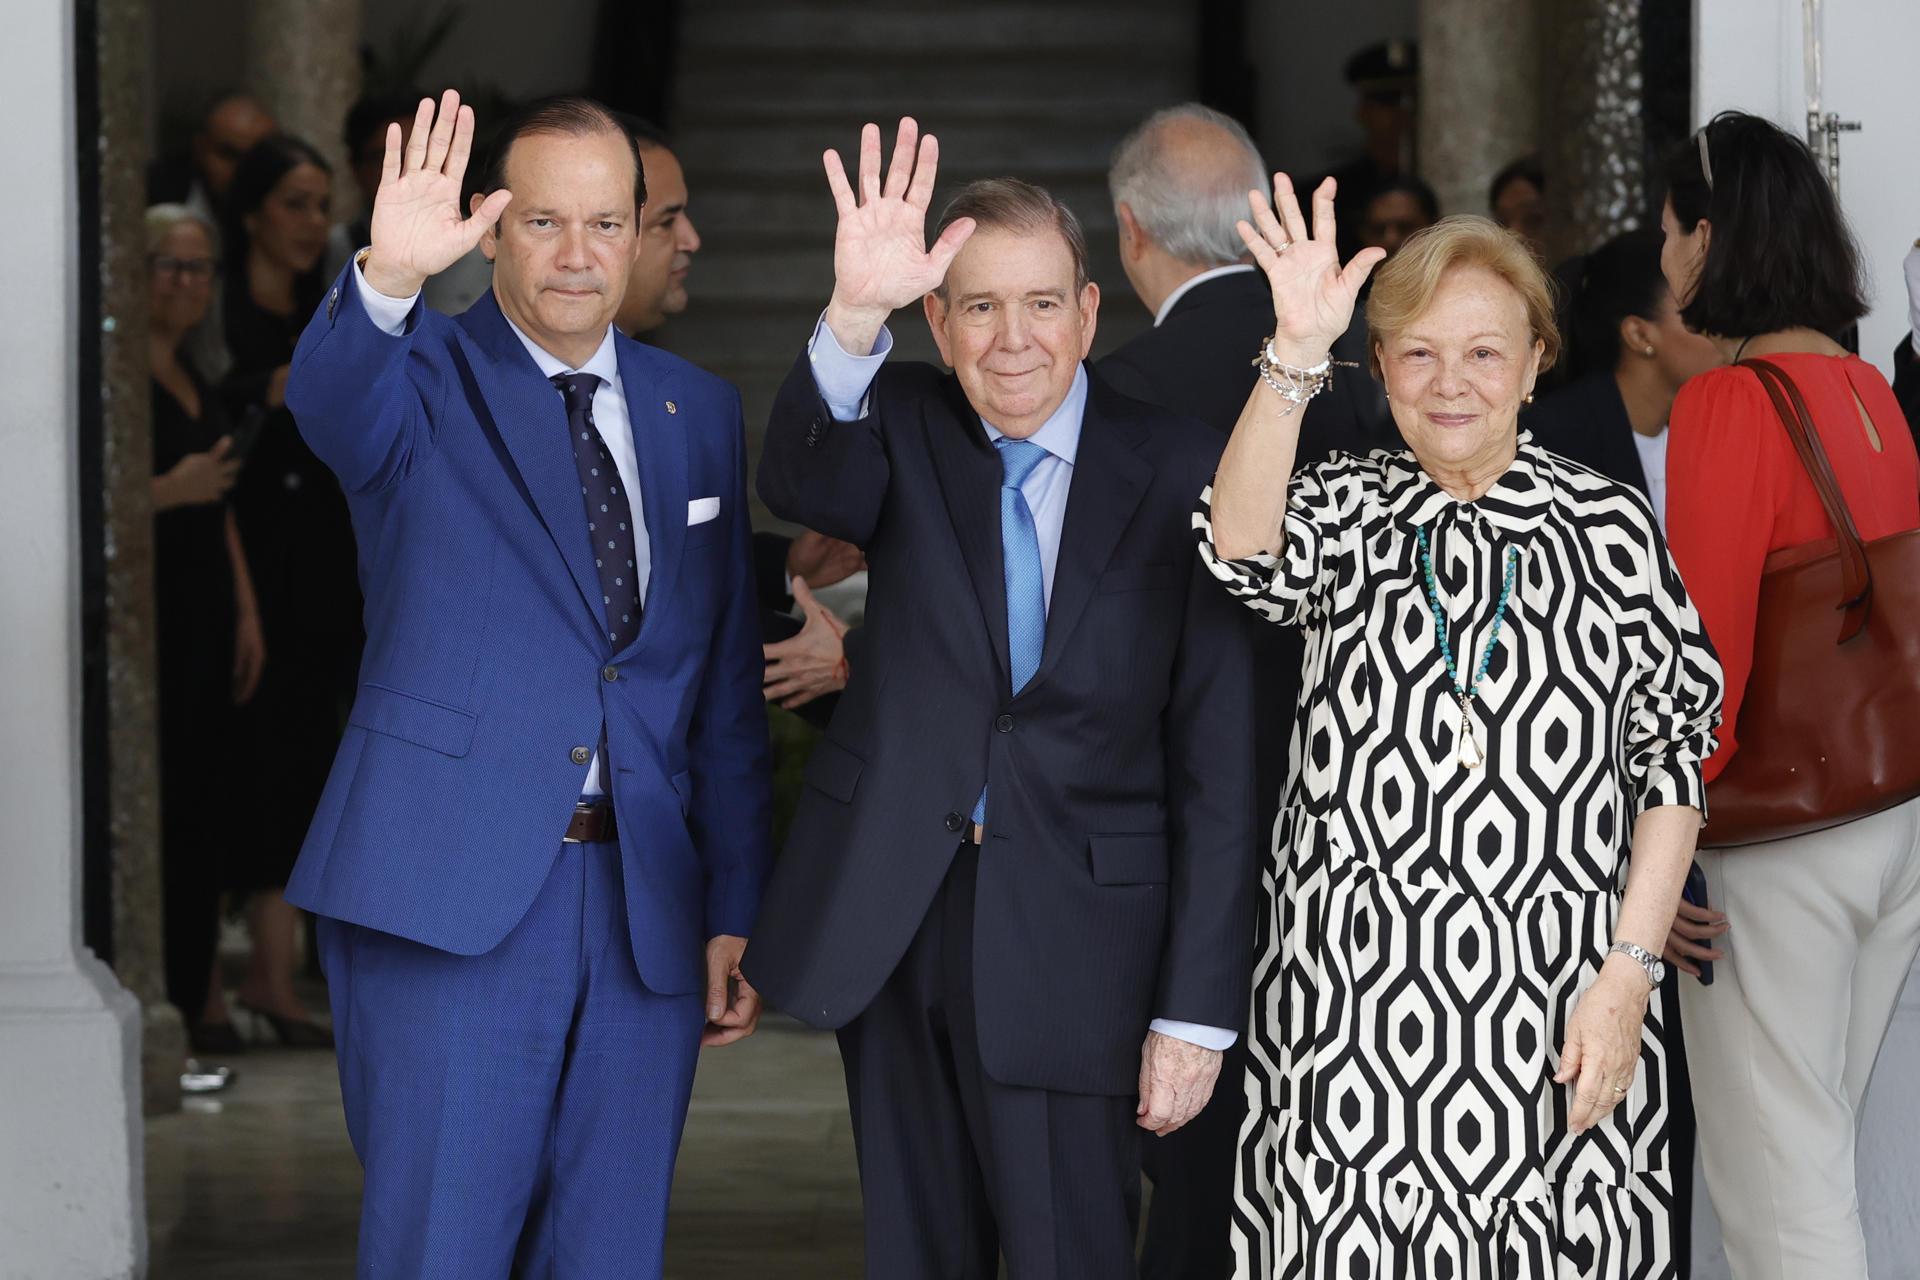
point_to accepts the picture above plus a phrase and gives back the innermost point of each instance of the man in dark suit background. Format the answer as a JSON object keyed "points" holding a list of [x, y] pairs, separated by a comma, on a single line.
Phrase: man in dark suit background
{"points": [[1019, 880], [1179, 183]]}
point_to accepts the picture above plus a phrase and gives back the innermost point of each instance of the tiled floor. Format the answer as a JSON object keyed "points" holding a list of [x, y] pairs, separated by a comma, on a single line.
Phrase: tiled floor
{"points": [[260, 1183]]}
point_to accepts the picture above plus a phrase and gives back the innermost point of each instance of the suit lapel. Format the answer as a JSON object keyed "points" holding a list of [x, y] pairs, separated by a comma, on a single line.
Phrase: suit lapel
{"points": [[969, 473], [531, 418], [1109, 480], [660, 448]]}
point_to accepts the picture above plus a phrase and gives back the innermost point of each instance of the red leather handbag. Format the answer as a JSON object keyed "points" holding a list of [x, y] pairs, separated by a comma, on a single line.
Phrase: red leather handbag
{"points": [[1830, 725]]}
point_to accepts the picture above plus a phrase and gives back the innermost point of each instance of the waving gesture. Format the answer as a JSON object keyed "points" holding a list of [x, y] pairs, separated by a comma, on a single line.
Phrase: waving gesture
{"points": [[418, 229], [1312, 297], [880, 257]]}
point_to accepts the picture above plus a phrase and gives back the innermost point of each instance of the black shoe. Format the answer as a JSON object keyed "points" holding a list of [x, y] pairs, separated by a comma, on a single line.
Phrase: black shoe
{"points": [[295, 1033], [216, 1040]]}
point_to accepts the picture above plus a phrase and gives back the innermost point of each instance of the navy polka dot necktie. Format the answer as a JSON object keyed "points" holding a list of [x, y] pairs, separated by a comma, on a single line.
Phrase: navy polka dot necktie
{"points": [[609, 519]]}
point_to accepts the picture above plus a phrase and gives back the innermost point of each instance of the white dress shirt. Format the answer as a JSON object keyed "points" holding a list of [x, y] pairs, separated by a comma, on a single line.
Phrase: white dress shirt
{"points": [[610, 418], [1653, 461], [1180, 290], [843, 380]]}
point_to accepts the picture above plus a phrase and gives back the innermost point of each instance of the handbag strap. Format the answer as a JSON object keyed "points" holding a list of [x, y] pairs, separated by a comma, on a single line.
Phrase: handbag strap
{"points": [[1856, 576]]}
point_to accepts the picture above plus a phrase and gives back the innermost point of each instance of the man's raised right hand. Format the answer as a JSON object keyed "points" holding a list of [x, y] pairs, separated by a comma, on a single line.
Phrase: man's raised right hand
{"points": [[418, 229], [880, 257]]}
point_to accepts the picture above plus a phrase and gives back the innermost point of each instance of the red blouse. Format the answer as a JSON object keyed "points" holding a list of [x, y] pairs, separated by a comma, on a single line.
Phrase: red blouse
{"points": [[1736, 491]]}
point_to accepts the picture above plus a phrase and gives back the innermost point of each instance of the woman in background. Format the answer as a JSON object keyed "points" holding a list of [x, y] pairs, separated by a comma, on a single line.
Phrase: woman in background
{"points": [[1819, 931], [1631, 355], [293, 520], [207, 628]]}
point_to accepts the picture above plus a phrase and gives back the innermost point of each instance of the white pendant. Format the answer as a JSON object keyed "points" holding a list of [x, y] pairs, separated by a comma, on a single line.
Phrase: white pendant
{"points": [[1471, 756]]}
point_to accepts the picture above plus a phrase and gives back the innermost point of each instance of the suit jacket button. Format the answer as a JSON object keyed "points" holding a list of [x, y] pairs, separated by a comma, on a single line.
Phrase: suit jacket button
{"points": [[610, 674], [955, 822], [1004, 724], [582, 755]]}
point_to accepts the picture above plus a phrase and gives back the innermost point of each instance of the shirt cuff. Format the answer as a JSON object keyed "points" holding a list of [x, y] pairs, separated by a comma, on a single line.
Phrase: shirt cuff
{"points": [[1215, 1038], [389, 315], [843, 379]]}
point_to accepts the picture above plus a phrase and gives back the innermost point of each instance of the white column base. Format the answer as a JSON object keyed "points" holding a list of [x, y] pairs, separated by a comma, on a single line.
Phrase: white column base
{"points": [[72, 1194]]}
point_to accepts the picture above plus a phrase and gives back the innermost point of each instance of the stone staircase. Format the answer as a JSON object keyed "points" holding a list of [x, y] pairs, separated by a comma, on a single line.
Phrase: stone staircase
{"points": [[1036, 90]]}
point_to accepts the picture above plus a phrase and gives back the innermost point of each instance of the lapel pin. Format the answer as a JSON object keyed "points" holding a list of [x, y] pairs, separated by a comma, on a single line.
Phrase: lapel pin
{"points": [[672, 407]]}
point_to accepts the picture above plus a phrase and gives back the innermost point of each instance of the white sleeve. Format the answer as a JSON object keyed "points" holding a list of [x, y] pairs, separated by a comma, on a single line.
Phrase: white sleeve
{"points": [[388, 314]]}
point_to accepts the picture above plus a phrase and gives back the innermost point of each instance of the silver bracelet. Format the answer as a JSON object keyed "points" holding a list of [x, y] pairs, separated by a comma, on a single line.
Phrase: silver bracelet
{"points": [[1294, 385]]}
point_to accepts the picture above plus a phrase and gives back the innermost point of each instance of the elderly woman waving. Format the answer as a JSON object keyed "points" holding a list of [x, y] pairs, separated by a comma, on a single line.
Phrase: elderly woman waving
{"points": [[1494, 793]]}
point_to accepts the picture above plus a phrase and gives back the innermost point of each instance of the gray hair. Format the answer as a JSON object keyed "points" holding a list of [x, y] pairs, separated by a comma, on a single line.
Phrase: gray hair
{"points": [[1012, 205], [1184, 207], [204, 346]]}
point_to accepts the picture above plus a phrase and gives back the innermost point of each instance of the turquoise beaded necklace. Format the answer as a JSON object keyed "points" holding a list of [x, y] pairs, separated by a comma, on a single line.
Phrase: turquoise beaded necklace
{"points": [[1471, 756]]}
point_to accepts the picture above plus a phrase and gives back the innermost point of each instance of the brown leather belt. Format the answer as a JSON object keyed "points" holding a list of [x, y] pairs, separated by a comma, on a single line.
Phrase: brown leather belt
{"points": [[593, 823]]}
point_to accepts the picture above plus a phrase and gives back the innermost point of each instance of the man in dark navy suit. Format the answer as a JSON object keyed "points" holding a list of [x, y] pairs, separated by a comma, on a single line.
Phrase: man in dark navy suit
{"points": [[1179, 184], [540, 851], [1019, 881]]}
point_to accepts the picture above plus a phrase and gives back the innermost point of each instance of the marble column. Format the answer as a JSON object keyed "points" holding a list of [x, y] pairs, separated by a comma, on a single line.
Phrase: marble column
{"points": [[1479, 94], [133, 773], [303, 61], [70, 1130], [1595, 159]]}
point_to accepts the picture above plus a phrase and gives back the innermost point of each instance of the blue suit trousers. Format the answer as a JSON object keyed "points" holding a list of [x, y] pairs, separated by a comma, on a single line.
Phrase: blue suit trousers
{"points": [[517, 1113]]}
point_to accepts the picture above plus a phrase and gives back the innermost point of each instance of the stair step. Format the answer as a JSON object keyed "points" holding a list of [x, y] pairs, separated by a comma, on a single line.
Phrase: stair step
{"points": [[991, 31], [781, 147], [719, 80]]}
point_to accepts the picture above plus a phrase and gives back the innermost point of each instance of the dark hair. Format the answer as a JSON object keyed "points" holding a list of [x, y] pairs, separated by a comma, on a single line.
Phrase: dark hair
{"points": [[257, 174], [1619, 279], [372, 113], [568, 115], [220, 97], [1422, 193], [1525, 169], [645, 133], [1013, 205], [1781, 256]]}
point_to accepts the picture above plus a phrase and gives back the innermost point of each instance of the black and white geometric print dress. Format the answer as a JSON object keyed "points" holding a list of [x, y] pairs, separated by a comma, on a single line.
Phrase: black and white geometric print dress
{"points": [[1426, 928]]}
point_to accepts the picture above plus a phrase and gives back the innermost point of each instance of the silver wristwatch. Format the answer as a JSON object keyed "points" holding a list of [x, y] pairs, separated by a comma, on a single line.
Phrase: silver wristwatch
{"points": [[1656, 967]]}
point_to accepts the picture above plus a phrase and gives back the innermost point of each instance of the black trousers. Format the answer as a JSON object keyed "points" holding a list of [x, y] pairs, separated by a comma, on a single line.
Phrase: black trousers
{"points": [[957, 1168]]}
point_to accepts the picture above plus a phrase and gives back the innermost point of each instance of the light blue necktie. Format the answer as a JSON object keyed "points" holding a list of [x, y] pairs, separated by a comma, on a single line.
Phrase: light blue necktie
{"points": [[1020, 561]]}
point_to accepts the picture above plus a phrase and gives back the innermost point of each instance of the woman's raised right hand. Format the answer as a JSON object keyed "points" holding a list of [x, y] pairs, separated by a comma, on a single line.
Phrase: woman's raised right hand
{"points": [[1313, 298]]}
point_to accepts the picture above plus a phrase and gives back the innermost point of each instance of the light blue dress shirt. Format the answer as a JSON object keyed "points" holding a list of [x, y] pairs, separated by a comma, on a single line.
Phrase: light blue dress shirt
{"points": [[843, 380]]}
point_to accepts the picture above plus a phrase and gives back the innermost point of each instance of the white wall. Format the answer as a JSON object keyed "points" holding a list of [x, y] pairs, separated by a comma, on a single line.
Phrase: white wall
{"points": [[1749, 54], [70, 1185]]}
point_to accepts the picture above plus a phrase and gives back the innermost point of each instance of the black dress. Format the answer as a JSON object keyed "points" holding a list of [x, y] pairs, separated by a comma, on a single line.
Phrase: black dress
{"points": [[299, 542], [193, 632]]}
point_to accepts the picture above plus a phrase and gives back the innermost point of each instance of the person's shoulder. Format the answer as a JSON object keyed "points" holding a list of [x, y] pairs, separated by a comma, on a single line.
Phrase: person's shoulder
{"points": [[1588, 494], [1707, 396], [1166, 435], [664, 365]]}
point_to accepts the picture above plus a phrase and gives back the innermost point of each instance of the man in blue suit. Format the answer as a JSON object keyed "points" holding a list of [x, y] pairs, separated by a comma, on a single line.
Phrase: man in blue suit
{"points": [[541, 848]]}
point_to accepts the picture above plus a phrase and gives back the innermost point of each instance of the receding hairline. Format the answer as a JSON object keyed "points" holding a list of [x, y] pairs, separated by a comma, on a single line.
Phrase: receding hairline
{"points": [[612, 130]]}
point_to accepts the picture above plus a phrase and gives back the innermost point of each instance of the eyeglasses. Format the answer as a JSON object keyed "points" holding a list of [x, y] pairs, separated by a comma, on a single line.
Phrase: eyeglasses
{"points": [[201, 269], [1706, 165]]}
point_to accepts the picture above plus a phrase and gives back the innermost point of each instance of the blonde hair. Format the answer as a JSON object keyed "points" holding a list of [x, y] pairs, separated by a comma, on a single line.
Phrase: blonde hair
{"points": [[1403, 287]]}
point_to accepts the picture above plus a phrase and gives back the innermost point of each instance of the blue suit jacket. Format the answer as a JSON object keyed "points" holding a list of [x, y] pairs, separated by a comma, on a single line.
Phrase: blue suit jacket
{"points": [[487, 666]]}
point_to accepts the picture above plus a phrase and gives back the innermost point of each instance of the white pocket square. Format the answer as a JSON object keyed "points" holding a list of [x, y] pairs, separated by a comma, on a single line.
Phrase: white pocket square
{"points": [[701, 510]]}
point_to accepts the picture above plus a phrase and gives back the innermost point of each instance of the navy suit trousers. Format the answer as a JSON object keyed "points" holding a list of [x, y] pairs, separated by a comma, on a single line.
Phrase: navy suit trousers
{"points": [[517, 1112]]}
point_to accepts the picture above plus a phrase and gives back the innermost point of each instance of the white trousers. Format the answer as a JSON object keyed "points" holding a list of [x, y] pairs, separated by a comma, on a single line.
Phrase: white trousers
{"points": [[1824, 929]]}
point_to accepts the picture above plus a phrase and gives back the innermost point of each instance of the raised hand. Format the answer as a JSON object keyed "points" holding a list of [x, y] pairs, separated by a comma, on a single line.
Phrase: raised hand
{"points": [[881, 261], [1312, 296], [418, 228]]}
